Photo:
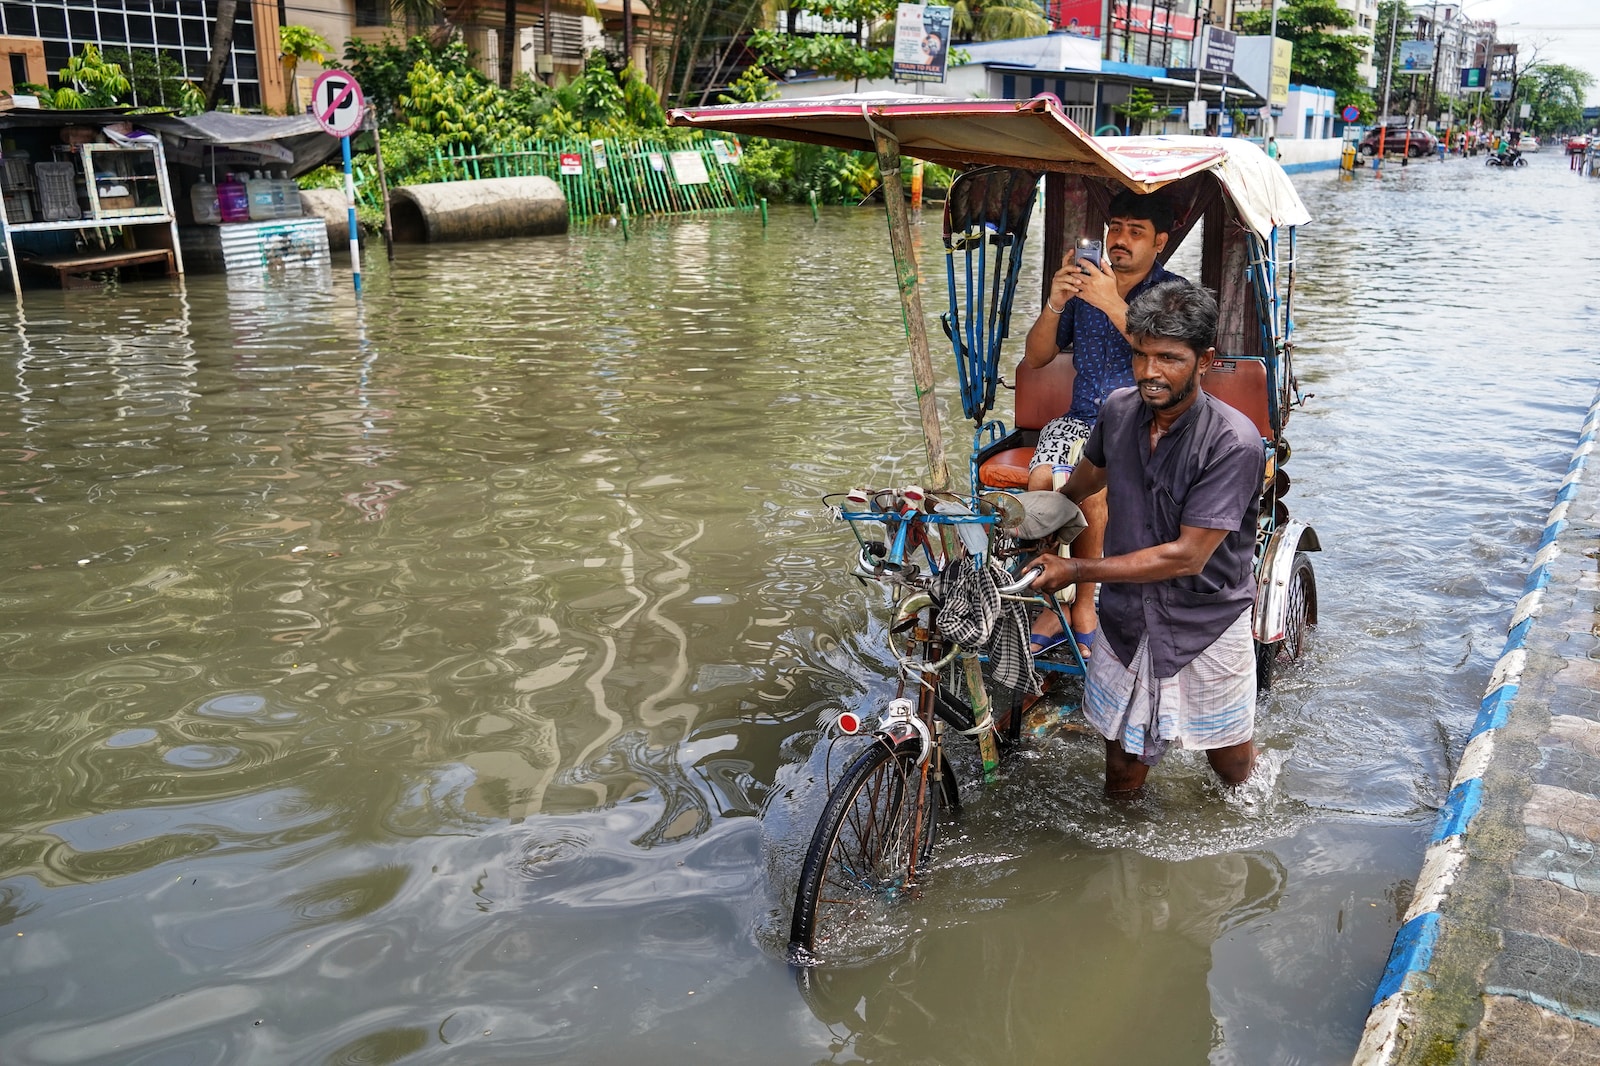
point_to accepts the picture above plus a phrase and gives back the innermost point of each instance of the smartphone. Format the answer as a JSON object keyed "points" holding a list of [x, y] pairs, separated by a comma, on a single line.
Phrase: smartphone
{"points": [[1088, 251]]}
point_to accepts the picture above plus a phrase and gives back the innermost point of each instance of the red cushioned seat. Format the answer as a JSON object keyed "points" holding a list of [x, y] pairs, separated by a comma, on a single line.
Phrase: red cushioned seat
{"points": [[1242, 385], [1006, 469], [1041, 394]]}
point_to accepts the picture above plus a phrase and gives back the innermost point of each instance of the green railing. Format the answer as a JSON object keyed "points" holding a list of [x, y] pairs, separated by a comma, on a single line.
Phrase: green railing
{"points": [[601, 178]]}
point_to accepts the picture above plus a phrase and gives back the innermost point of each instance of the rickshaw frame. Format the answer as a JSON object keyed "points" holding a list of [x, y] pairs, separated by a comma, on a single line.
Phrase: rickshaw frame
{"points": [[1247, 200]]}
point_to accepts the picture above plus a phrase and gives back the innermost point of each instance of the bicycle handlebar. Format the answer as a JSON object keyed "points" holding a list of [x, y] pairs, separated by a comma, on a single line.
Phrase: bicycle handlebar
{"points": [[1022, 583]]}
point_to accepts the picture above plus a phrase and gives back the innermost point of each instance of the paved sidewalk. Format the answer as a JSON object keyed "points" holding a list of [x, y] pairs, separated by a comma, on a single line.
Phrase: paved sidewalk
{"points": [[1498, 958]]}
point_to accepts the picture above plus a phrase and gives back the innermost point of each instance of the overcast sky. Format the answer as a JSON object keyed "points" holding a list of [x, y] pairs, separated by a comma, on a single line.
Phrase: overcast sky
{"points": [[1566, 31]]}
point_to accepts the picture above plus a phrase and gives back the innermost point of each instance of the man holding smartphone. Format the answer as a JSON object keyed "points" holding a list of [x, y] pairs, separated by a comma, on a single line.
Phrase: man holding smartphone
{"points": [[1086, 313]]}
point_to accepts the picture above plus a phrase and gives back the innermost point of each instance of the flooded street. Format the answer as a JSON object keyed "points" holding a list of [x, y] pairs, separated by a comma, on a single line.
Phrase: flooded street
{"points": [[435, 678]]}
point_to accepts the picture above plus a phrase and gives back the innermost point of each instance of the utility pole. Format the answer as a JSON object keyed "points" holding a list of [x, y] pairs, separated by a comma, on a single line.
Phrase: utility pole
{"points": [[1388, 66]]}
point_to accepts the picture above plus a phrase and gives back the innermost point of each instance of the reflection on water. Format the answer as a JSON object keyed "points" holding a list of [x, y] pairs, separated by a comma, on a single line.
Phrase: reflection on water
{"points": [[435, 678]]}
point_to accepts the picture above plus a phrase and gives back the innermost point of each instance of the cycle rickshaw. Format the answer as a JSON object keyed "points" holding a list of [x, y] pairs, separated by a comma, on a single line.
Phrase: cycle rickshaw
{"points": [[877, 830]]}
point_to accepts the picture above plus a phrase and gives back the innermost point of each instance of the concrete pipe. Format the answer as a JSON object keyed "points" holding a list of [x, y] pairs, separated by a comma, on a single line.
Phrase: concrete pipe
{"points": [[478, 210]]}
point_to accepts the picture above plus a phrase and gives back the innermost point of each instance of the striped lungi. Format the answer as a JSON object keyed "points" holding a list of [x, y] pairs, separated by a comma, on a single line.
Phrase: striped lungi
{"points": [[1210, 703]]}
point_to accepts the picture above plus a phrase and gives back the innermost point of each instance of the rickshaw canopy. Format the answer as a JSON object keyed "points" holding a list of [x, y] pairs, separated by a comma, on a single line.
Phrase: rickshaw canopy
{"points": [[1033, 133]]}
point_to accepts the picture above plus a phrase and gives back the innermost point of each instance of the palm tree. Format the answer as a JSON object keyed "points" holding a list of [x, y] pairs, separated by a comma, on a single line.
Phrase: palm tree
{"points": [[997, 20], [221, 45]]}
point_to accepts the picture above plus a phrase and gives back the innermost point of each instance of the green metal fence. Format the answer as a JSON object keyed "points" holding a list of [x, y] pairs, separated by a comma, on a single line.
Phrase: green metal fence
{"points": [[602, 177]]}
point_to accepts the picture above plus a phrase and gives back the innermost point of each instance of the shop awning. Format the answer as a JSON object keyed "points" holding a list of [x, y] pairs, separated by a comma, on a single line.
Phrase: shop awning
{"points": [[295, 143]]}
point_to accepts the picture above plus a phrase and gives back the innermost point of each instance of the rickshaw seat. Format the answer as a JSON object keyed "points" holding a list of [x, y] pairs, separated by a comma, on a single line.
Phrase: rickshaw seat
{"points": [[1241, 383], [1042, 393]]}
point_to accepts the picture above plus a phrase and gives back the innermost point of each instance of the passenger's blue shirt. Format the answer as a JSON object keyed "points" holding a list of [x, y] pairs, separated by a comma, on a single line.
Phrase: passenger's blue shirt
{"points": [[1101, 355]]}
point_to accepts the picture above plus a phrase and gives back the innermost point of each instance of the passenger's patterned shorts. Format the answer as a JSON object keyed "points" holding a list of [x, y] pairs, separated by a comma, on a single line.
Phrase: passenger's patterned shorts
{"points": [[1061, 441]]}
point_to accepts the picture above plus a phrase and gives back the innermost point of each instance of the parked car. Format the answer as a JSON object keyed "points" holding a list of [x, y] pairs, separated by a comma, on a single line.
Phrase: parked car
{"points": [[1395, 139]]}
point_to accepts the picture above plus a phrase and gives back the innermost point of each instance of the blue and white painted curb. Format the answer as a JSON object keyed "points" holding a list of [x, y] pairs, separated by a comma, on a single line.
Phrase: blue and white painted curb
{"points": [[1412, 954]]}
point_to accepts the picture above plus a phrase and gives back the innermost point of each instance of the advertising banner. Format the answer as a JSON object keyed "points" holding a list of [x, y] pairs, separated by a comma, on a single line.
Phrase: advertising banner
{"points": [[1474, 79], [1500, 90], [1416, 57], [571, 163], [921, 42], [1079, 17]]}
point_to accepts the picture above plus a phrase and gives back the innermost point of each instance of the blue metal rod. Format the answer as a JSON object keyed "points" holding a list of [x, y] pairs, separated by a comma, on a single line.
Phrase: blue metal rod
{"points": [[350, 200]]}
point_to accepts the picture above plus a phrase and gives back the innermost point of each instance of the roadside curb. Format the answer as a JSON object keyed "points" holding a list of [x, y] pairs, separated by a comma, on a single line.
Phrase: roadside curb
{"points": [[1405, 991]]}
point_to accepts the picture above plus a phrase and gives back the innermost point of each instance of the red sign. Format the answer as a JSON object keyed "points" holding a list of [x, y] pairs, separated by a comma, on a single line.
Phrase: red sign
{"points": [[1080, 17], [1145, 18], [571, 163]]}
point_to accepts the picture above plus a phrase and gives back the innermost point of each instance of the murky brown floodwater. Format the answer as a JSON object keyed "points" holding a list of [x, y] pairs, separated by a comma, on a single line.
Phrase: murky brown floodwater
{"points": [[434, 679]]}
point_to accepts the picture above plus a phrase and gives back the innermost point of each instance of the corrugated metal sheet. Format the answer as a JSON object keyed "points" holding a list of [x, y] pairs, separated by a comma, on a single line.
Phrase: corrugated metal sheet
{"points": [[256, 246]]}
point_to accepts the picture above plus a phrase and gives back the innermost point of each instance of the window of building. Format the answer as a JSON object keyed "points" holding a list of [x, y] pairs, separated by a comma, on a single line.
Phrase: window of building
{"points": [[179, 28], [19, 20], [372, 13]]}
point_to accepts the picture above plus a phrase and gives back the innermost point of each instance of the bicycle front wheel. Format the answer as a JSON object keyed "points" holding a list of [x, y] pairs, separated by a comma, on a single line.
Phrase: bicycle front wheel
{"points": [[874, 835]]}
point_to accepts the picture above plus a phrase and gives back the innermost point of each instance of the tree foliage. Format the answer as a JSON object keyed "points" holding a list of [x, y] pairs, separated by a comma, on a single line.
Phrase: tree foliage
{"points": [[458, 107], [90, 80], [1140, 108], [383, 69], [831, 57], [996, 20], [1556, 92], [700, 40]]}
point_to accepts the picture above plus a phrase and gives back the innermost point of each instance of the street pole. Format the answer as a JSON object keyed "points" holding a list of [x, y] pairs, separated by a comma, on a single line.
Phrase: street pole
{"points": [[1388, 83]]}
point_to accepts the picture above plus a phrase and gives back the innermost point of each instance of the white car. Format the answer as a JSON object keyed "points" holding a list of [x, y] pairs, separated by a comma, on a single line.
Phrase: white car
{"points": [[1528, 143]]}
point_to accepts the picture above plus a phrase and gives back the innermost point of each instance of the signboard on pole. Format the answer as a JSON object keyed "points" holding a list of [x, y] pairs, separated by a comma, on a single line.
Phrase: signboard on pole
{"points": [[921, 42], [1197, 114], [1219, 49], [1474, 79], [1350, 113], [337, 102], [1416, 57], [1500, 90], [1282, 61]]}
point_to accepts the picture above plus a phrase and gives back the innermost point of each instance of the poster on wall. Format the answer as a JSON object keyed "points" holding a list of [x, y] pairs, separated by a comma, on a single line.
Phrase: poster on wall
{"points": [[921, 42]]}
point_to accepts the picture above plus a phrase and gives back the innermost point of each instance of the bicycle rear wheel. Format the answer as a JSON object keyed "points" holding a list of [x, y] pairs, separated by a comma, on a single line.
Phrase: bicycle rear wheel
{"points": [[874, 835]]}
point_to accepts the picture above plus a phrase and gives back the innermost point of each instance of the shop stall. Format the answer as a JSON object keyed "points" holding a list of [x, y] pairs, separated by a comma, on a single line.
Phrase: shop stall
{"points": [[90, 192]]}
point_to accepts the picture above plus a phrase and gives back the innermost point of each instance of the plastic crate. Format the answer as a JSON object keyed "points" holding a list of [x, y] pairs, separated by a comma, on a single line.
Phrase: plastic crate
{"points": [[57, 185], [19, 206], [17, 172]]}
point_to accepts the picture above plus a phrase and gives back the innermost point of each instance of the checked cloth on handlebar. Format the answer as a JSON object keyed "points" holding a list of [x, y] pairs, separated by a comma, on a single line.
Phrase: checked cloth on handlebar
{"points": [[972, 614]]}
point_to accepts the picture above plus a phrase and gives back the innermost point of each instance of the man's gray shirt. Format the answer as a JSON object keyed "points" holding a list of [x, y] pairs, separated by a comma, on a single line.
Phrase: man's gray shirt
{"points": [[1206, 471]]}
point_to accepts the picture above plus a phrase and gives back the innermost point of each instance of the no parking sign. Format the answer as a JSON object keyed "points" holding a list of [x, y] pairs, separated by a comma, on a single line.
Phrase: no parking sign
{"points": [[337, 102]]}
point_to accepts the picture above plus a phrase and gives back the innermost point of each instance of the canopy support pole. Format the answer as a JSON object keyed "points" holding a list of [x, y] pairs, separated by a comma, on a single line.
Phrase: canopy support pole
{"points": [[905, 264]]}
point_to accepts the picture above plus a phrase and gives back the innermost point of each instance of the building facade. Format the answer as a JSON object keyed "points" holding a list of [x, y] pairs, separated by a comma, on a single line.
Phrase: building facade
{"points": [[55, 30]]}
